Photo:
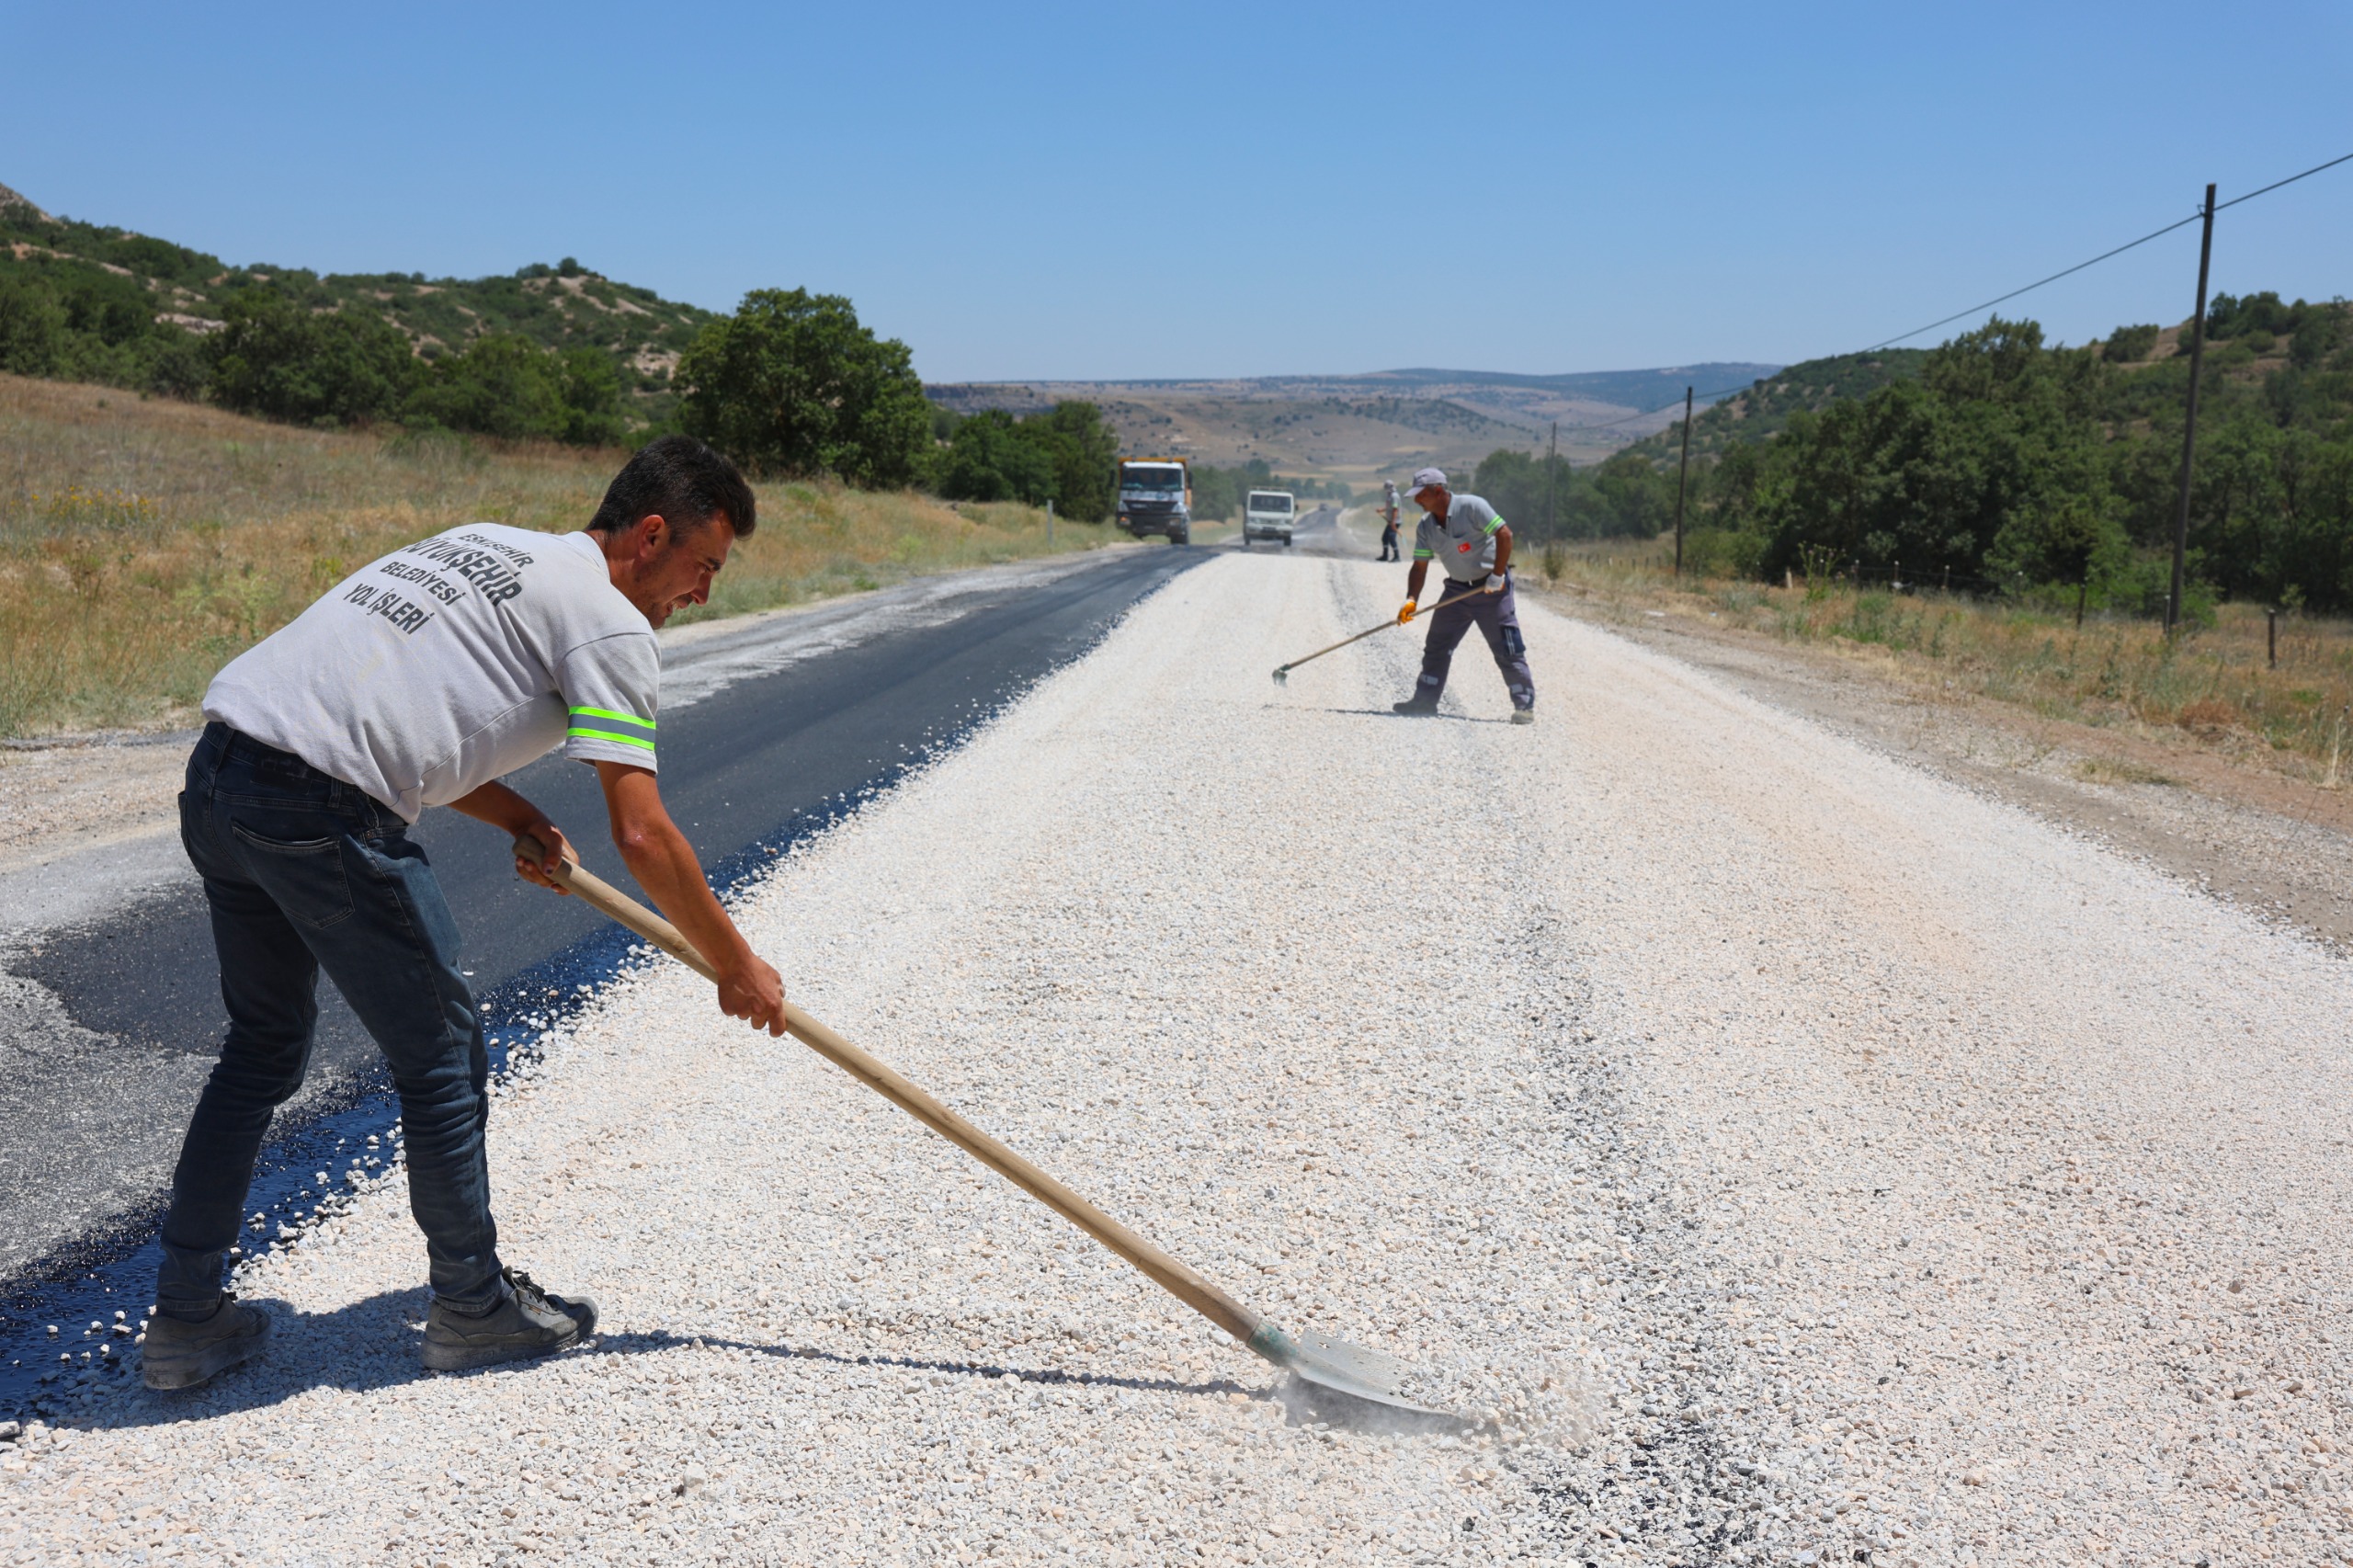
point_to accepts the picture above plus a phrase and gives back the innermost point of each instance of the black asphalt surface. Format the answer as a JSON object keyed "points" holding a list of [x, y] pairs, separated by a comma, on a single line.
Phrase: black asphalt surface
{"points": [[94, 1121]]}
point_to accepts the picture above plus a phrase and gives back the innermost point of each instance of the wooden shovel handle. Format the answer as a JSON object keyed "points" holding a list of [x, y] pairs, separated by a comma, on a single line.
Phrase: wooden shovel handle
{"points": [[1180, 1280]]}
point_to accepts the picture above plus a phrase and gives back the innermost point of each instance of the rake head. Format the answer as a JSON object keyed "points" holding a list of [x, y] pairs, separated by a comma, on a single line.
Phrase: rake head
{"points": [[1282, 675]]}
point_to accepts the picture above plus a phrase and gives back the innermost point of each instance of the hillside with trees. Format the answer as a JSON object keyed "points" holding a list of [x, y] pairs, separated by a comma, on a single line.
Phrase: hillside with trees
{"points": [[791, 384], [1763, 408], [85, 301], [2000, 464]]}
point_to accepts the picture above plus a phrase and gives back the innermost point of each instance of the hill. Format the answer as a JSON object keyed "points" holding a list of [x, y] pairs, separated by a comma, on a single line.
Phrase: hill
{"points": [[1359, 429], [1763, 409], [128, 296]]}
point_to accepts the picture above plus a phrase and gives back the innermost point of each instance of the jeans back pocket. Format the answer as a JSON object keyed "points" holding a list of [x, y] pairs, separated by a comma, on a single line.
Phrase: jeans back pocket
{"points": [[302, 877]]}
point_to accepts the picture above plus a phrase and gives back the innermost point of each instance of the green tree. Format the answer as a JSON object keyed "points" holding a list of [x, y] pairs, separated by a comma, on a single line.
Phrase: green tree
{"points": [[991, 458], [32, 327], [792, 384], [589, 384], [2130, 342], [1630, 498], [1084, 452], [506, 385], [503, 384], [277, 358]]}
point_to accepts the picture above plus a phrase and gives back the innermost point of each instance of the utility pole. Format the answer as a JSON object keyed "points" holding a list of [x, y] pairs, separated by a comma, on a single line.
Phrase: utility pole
{"points": [[1551, 461], [1682, 477], [1050, 522], [2190, 424]]}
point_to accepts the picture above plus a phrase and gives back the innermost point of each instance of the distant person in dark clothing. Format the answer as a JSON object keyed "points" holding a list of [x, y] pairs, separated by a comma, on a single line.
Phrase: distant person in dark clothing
{"points": [[1389, 522]]}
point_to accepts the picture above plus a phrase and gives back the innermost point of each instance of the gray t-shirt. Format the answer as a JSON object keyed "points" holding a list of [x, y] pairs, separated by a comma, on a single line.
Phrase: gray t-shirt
{"points": [[1465, 544], [453, 661]]}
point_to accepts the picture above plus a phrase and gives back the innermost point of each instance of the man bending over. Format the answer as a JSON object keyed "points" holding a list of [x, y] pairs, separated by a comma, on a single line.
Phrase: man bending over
{"points": [[1472, 546], [418, 681]]}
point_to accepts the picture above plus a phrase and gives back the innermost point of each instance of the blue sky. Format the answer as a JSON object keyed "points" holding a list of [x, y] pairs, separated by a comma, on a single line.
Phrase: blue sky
{"points": [[1093, 191]]}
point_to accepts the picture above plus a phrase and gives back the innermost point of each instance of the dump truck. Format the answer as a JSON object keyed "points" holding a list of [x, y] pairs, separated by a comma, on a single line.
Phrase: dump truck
{"points": [[1157, 497], [1266, 514]]}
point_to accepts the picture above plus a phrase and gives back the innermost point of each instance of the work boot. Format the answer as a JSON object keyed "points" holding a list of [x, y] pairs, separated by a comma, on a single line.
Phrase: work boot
{"points": [[184, 1355], [527, 1321], [1523, 715], [1417, 703]]}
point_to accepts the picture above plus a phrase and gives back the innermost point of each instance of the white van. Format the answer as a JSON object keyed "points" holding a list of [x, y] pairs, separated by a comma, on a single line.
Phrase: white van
{"points": [[1267, 515]]}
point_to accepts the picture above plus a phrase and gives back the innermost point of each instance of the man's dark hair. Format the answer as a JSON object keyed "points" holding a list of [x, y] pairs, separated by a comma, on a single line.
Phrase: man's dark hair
{"points": [[685, 481]]}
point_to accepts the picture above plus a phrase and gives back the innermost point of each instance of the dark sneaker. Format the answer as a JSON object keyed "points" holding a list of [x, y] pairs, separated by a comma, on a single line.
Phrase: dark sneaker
{"points": [[183, 1355], [527, 1321], [1414, 705], [1523, 715]]}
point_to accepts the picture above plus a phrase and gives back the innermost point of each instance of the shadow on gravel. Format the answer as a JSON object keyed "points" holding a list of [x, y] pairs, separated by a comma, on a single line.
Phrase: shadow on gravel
{"points": [[1393, 713], [373, 1345], [659, 1340]]}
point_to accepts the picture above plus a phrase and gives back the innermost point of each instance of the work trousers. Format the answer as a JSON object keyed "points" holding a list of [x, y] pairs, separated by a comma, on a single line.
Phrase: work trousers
{"points": [[303, 873], [1497, 618], [1388, 544]]}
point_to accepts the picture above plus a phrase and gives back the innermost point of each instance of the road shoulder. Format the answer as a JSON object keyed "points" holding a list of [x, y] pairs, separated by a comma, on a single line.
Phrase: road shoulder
{"points": [[2282, 849]]}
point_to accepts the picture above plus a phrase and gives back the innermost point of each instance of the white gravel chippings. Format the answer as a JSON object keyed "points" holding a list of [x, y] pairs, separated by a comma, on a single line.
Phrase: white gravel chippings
{"points": [[1787, 1158]]}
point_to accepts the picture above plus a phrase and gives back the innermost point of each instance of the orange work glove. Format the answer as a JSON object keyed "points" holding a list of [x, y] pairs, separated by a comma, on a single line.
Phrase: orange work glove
{"points": [[1406, 615]]}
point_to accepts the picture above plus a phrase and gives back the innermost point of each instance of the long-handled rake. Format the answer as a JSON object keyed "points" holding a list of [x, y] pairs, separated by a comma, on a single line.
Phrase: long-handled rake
{"points": [[1282, 672], [1330, 1380]]}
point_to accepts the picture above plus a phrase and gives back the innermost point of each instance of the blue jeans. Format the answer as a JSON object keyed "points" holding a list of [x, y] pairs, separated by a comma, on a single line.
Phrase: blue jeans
{"points": [[304, 872]]}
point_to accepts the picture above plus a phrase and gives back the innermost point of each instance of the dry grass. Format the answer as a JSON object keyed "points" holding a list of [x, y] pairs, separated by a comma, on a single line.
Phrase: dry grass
{"points": [[142, 544], [2213, 685]]}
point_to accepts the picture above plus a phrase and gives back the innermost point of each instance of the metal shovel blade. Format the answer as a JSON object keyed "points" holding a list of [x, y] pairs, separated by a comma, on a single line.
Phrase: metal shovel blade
{"points": [[1282, 676], [1336, 1381]]}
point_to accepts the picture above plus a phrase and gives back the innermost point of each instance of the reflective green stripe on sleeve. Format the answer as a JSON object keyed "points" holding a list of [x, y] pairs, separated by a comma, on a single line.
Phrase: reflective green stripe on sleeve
{"points": [[1493, 526], [579, 733], [609, 713], [1423, 555]]}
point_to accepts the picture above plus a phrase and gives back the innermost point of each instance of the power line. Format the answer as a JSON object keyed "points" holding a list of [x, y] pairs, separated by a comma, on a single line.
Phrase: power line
{"points": [[2119, 250], [1957, 315], [2291, 179], [2054, 277]]}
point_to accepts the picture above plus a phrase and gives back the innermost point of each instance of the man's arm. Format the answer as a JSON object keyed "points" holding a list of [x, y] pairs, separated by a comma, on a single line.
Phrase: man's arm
{"points": [[665, 864], [1415, 574], [1503, 558], [512, 814]]}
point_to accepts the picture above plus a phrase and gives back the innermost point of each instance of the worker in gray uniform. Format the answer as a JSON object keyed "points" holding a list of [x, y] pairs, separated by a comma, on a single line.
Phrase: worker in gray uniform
{"points": [[1463, 534]]}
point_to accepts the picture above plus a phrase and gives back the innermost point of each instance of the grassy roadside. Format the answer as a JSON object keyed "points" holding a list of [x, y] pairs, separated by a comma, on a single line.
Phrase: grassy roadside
{"points": [[142, 544], [2213, 687]]}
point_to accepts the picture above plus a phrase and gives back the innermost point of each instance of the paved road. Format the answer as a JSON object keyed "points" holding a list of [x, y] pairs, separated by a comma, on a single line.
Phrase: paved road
{"points": [[1829, 1165], [1317, 533], [109, 1023], [1808, 1159]]}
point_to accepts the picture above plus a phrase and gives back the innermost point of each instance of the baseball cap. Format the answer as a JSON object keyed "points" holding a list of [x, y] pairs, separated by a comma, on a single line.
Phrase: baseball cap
{"points": [[1425, 477]]}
